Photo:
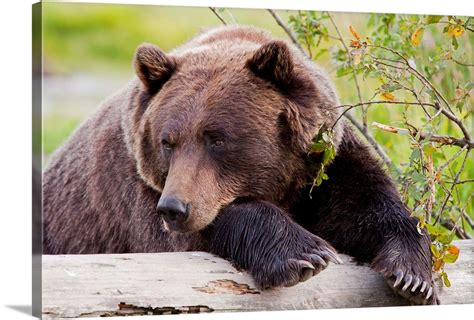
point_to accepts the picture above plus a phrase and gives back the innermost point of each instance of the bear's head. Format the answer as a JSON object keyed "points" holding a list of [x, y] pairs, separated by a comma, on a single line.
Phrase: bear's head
{"points": [[211, 126]]}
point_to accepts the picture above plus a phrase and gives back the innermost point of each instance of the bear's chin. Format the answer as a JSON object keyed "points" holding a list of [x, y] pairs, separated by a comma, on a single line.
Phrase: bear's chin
{"points": [[184, 227]]}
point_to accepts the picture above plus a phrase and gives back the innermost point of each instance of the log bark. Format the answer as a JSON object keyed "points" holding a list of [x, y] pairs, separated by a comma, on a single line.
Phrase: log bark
{"points": [[193, 282]]}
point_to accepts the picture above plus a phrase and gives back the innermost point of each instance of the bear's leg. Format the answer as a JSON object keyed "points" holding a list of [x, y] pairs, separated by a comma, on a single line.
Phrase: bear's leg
{"points": [[261, 238], [359, 211]]}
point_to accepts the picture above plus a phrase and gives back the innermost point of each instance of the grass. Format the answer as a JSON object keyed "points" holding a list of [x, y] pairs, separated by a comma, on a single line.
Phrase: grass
{"points": [[57, 127]]}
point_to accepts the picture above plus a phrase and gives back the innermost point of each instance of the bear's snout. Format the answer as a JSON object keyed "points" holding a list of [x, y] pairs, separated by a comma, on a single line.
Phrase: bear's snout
{"points": [[173, 210]]}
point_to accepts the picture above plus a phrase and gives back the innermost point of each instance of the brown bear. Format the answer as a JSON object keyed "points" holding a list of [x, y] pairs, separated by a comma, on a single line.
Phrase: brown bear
{"points": [[207, 149]]}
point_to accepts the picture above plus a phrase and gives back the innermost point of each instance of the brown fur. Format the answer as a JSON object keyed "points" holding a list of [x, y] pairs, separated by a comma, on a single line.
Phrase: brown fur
{"points": [[222, 124]]}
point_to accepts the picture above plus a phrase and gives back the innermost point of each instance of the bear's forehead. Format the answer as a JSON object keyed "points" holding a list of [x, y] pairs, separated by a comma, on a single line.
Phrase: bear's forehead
{"points": [[219, 90], [223, 54], [216, 104]]}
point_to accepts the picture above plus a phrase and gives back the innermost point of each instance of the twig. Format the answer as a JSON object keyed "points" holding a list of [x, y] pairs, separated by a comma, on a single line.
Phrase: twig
{"points": [[352, 106], [287, 31], [462, 181], [361, 127], [449, 114], [231, 16], [456, 178], [448, 162], [218, 15], [463, 63], [448, 224], [438, 138], [306, 40], [370, 139], [431, 137], [354, 74], [415, 72], [464, 213]]}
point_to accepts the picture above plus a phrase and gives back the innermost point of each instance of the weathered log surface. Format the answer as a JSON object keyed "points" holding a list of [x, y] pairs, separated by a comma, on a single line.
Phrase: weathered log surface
{"points": [[121, 284]]}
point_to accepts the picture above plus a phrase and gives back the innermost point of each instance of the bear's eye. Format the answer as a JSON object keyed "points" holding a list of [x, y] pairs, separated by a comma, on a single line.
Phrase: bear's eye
{"points": [[217, 143], [166, 144]]}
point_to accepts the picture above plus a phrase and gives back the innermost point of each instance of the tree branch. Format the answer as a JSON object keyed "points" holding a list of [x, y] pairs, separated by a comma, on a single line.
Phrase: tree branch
{"points": [[361, 127], [449, 114], [455, 181], [448, 224], [218, 15], [370, 139], [463, 63], [443, 139], [354, 74], [287, 31]]}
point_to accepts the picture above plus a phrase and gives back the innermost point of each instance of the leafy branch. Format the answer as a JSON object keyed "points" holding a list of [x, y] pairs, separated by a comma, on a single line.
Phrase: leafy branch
{"points": [[434, 110], [362, 127], [390, 55]]}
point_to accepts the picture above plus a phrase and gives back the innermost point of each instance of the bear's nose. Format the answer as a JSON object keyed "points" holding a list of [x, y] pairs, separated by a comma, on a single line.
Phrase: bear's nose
{"points": [[172, 209]]}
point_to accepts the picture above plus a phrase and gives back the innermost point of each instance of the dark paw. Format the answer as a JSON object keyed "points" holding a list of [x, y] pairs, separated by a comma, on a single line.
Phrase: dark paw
{"points": [[303, 259], [409, 277], [416, 288]]}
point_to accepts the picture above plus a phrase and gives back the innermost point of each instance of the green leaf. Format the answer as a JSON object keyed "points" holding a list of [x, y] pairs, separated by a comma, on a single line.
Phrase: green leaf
{"points": [[320, 53], [343, 71], [435, 251], [433, 19], [433, 229], [429, 150], [446, 238], [415, 155], [417, 177], [318, 147], [450, 258], [446, 281], [454, 42]]}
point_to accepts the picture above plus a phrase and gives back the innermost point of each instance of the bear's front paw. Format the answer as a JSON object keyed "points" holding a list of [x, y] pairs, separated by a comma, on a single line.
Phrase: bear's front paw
{"points": [[409, 275], [415, 287], [296, 261]]}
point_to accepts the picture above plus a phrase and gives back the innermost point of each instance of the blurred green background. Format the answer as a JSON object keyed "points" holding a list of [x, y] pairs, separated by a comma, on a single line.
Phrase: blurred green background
{"points": [[88, 50]]}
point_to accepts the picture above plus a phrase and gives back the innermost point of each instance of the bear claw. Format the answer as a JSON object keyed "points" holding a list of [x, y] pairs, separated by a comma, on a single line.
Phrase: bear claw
{"points": [[430, 291], [414, 288], [416, 284], [307, 274], [305, 264], [408, 280], [331, 256], [399, 275], [423, 287], [318, 259]]}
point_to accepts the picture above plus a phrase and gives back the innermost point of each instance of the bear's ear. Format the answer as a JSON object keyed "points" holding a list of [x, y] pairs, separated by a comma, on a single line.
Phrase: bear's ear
{"points": [[153, 67], [273, 62]]}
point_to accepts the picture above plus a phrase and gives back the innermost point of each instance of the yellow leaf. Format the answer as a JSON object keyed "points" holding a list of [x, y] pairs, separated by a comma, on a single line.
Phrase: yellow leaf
{"points": [[354, 33], [357, 58], [455, 31], [388, 96], [416, 36]]}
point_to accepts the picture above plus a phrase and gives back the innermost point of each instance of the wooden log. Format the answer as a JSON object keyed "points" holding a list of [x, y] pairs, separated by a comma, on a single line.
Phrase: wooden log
{"points": [[192, 282]]}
